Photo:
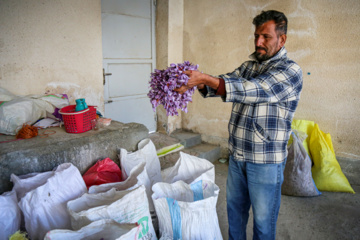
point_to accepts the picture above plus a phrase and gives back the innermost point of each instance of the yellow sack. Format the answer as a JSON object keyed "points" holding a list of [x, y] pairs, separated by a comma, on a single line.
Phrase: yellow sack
{"points": [[326, 171], [306, 127], [18, 236]]}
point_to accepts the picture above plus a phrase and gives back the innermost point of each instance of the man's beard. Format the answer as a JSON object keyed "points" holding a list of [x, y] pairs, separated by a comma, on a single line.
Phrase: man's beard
{"points": [[262, 57]]}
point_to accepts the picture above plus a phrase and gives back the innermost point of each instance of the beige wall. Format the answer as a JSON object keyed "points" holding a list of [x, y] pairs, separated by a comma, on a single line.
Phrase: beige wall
{"points": [[323, 38], [52, 46], [55, 47], [162, 32], [169, 44]]}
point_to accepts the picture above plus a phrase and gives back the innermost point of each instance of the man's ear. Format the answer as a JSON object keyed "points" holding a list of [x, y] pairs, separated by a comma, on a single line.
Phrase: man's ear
{"points": [[282, 40]]}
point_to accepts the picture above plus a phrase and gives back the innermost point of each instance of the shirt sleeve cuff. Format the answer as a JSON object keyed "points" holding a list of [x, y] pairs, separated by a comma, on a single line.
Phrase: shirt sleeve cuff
{"points": [[221, 89], [203, 91]]}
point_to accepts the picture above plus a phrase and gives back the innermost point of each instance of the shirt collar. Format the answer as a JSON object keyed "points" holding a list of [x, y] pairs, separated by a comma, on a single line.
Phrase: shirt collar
{"points": [[281, 53]]}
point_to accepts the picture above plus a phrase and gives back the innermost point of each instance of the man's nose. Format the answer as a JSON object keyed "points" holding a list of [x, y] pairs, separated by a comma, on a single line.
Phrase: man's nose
{"points": [[259, 41]]}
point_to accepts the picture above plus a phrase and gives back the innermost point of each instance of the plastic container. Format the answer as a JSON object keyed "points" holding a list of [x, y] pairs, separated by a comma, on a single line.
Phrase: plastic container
{"points": [[77, 122], [80, 104]]}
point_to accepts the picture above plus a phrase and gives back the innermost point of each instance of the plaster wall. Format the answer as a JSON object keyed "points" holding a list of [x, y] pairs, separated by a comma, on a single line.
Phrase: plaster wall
{"points": [[322, 38], [162, 32], [169, 44], [176, 29], [50, 46]]}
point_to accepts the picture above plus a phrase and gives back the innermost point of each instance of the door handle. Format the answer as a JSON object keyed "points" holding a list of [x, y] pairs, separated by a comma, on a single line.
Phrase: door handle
{"points": [[104, 75], [109, 101]]}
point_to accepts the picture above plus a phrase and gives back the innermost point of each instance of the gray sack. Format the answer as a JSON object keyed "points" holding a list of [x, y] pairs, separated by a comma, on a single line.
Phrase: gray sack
{"points": [[298, 179]]}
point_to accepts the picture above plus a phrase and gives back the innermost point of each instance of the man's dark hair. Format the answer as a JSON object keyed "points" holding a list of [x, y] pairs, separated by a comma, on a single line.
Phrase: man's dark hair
{"points": [[279, 18]]}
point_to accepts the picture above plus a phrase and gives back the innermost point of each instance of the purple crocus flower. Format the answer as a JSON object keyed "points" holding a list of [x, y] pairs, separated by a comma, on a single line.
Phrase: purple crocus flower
{"points": [[163, 83]]}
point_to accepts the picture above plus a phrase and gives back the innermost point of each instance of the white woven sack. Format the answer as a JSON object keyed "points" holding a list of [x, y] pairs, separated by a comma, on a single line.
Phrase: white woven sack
{"points": [[187, 211], [44, 207], [15, 113], [102, 229], [146, 153], [5, 95], [129, 206], [10, 216], [25, 183], [138, 176], [189, 169]]}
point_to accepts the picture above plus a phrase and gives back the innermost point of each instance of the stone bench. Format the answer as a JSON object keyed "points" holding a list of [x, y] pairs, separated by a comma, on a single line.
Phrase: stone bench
{"points": [[41, 154]]}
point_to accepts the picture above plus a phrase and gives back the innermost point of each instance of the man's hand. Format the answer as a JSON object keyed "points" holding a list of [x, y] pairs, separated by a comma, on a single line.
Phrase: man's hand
{"points": [[198, 79], [195, 79]]}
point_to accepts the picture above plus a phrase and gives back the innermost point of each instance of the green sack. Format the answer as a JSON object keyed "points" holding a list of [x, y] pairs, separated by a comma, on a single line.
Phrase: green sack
{"points": [[326, 170]]}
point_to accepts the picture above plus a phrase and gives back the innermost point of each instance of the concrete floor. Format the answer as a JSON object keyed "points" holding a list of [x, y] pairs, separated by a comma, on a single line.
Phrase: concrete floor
{"points": [[332, 215], [328, 216]]}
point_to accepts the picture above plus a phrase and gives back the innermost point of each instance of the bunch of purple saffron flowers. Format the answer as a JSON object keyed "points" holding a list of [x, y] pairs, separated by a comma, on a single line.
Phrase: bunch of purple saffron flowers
{"points": [[163, 83]]}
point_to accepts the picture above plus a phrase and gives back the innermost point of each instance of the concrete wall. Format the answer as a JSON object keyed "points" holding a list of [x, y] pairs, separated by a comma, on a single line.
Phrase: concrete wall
{"points": [[50, 46], [162, 32], [55, 47], [169, 44], [323, 38]]}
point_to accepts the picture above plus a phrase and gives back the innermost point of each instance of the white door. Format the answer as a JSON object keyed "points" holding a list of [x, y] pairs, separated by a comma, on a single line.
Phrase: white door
{"points": [[128, 43]]}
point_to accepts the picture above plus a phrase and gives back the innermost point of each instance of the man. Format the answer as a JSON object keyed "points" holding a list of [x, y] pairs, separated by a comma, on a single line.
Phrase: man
{"points": [[265, 93]]}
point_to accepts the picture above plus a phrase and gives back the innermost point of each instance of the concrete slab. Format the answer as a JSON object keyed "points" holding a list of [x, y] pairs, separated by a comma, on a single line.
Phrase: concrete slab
{"points": [[162, 140], [192, 143], [204, 150], [42, 153], [188, 139]]}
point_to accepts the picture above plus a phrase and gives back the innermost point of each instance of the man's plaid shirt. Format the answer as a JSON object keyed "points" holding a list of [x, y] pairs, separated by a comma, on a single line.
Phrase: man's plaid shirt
{"points": [[265, 96]]}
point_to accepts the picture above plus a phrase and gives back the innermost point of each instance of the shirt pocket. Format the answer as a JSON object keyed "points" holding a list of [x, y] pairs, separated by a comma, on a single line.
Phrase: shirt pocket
{"points": [[260, 133]]}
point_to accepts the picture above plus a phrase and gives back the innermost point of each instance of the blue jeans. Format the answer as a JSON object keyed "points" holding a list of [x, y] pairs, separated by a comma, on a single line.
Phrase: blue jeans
{"points": [[256, 185]]}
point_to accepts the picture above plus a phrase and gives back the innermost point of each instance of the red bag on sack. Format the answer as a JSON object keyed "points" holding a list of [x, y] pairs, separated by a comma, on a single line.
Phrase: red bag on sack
{"points": [[104, 171]]}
